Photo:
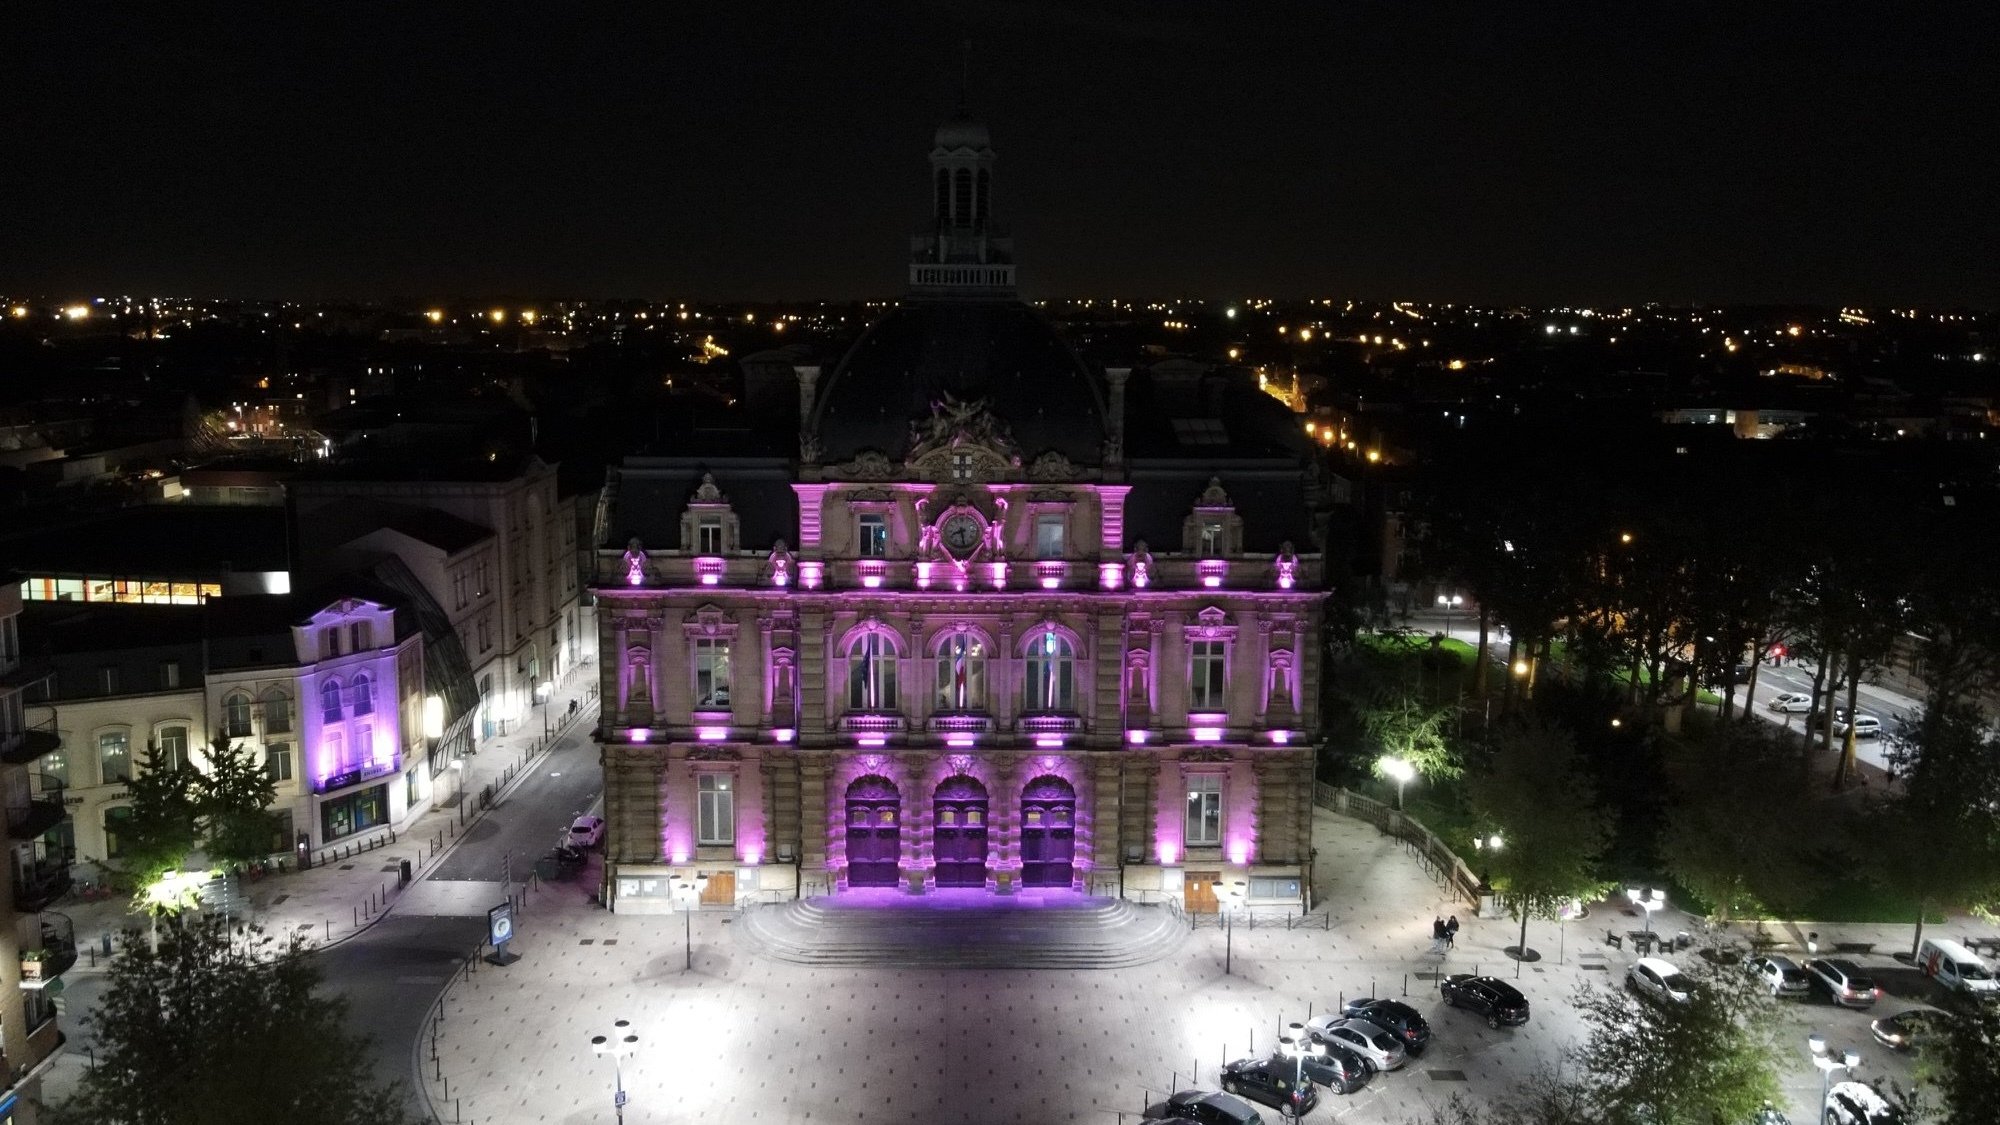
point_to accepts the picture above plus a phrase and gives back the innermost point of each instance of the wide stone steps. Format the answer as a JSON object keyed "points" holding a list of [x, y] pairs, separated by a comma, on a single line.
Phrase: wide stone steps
{"points": [[963, 930]]}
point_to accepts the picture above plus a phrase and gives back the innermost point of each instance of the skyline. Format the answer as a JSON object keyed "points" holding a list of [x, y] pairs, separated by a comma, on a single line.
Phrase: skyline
{"points": [[1560, 156]]}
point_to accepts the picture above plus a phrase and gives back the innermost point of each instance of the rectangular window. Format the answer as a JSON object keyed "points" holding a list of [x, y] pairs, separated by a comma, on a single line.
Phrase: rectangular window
{"points": [[170, 673], [56, 767], [1273, 886], [330, 640], [114, 818], [717, 819], [236, 717], [711, 672], [1212, 543], [874, 542], [173, 748], [277, 716], [1207, 691], [1049, 535], [708, 535], [114, 756], [107, 679], [361, 635], [1204, 811], [278, 761], [364, 745]]}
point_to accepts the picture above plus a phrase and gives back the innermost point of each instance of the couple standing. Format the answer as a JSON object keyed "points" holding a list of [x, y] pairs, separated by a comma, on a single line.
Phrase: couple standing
{"points": [[1444, 933]]}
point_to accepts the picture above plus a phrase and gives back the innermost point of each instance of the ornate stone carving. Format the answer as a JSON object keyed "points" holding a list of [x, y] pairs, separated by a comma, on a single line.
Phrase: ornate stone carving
{"points": [[635, 562], [1213, 496], [1287, 566], [955, 422], [1139, 566], [1051, 466], [707, 493], [713, 754], [783, 564], [867, 465], [1207, 756]]}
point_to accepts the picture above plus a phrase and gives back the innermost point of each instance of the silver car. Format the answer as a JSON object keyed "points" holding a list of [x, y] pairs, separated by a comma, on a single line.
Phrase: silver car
{"points": [[1791, 702], [1382, 1050], [1781, 975]]}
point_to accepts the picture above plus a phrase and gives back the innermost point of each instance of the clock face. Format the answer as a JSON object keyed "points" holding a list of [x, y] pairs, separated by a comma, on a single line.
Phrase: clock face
{"points": [[962, 533]]}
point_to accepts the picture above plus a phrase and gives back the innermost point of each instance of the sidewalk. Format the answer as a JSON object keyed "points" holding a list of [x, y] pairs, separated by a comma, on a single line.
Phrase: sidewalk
{"points": [[342, 897]]}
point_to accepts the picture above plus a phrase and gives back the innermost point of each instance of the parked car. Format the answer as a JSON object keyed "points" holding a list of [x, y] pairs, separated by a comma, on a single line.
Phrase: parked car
{"points": [[1382, 1050], [1338, 1069], [1858, 1103], [1769, 1115], [1956, 967], [1209, 1108], [1791, 702], [1781, 975], [1394, 1017], [1844, 981], [1865, 726], [1908, 1031], [1501, 1003], [1660, 979], [1273, 1082], [586, 832]]}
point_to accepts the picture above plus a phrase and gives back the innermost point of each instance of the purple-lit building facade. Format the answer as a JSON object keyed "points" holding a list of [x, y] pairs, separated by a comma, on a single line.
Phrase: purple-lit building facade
{"points": [[1003, 620]]}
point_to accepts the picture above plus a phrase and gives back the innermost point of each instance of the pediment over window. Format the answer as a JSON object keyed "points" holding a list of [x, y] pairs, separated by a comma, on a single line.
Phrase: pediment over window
{"points": [[1211, 624], [709, 620]]}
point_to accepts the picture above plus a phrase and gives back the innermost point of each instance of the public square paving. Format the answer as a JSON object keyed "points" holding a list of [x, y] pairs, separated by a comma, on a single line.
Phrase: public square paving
{"points": [[741, 1037]]}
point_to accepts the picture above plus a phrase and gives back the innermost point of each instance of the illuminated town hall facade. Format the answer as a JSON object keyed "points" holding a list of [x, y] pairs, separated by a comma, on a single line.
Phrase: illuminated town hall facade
{"points": [[1001, 621]]}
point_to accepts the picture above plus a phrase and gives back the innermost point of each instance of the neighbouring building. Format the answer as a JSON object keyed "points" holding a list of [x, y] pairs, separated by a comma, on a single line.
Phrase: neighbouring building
{"points": [[1005, 621]]}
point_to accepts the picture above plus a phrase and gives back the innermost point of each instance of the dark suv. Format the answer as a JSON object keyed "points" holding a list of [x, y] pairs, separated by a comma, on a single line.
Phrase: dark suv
{"points": [[1498, 1001], [1339, 1069], [1208, 1108], [1271, 1081], [1394, 1017]]}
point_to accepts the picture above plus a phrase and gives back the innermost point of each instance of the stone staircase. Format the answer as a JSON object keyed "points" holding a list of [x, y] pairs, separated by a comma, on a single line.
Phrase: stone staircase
{"points": [[963, 930]]}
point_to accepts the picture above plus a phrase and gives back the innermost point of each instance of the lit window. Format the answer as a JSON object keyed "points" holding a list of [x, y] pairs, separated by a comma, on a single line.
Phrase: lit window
{"points": [[711, 672], [716, 819], [874, 537], [871, 674], [708, 535], [961, 673], [278, 761], [173, 748], [1212, 543], [1207, 690], [363, 696], [236, 716], [1051, 684], [114, 756], [1204, 811], [1049, 536]]}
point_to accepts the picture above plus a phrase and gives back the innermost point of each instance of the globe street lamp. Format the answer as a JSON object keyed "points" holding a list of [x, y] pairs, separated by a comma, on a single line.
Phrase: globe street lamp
{"points": [[1449, 602], [1827, 1064], [1232, 898], [618, 1044], [1401, 771], [1487, 847], [690, 893], [1295, 1044], [1647, 901]]}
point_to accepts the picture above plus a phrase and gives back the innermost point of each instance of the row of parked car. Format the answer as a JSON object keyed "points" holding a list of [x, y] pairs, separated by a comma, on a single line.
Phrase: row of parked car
{"points": [[1368, 1036], [1801, 703]]}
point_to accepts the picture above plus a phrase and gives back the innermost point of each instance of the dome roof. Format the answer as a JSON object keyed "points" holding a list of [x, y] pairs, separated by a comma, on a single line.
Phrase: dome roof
{"points": [[1002, 352], [962, 132]]}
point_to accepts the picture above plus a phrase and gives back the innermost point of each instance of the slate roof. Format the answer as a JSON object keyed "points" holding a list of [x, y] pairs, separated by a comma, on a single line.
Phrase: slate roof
{"points": [[651, 493], [1268, 494]]}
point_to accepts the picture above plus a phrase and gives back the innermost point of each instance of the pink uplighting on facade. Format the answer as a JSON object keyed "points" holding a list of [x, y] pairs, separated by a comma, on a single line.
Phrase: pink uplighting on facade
{"points": [[712, 734], [871, 740], [1212, 571], [1137, 737], [870, 571], [1050, 574], [1050, 582], [1110, 575], [1239, 852], [709, 570], [1168, 850], [753, 854], [784, 734], [1048, 740], [961, 740], [1281, 737], [924, 575], [1208, 734], [641, 734], [810, 573], [999, 572]]}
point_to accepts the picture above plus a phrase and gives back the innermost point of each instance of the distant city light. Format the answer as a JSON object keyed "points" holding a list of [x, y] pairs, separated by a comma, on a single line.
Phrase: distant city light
{"points": [[77, 312], [435, 316], [498, 315]]}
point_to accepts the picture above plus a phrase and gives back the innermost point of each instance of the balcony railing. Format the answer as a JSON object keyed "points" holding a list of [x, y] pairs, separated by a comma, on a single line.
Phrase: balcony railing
{"points": [[19, 748], [53, 957], [31, 814], [871, 722], [40, 883], [1051, 723]]}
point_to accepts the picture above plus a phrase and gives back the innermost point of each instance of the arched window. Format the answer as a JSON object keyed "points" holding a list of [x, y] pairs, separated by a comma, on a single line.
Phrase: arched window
{"points": [[236, 715], [979, 200], [871, 673], [277, 712], [329, 701], [943, 195], [961, 202], [362, 695], [1051, 684], [961, 673]]}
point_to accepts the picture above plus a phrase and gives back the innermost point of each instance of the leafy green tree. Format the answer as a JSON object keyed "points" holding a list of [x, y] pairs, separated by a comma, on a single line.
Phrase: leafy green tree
{"points": [[1957, 1075], [1712, 1060], [214, 1029], [1937, 837], [1536, 795], [162, 829], [1741, 827], [235, 797], [1406, 727]]}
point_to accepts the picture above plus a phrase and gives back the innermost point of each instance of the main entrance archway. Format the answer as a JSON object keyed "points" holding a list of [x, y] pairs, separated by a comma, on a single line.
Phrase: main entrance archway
{"points": [[874, 832], [959, 833], [1048, 833]]}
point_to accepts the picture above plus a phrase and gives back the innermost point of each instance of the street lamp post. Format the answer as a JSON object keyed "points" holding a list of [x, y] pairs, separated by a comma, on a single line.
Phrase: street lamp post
{"points": [[458, 783], [544, 691], [1450, 602], [1295, 1044], [618, 1044], [690, 890], [1401, 771], [1827, 1064], [1231, 898], [1647, 901]]}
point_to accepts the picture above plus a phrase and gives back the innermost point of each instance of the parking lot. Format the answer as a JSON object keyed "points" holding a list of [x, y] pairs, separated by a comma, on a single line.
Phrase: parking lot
{"points": [[741, 1038]]}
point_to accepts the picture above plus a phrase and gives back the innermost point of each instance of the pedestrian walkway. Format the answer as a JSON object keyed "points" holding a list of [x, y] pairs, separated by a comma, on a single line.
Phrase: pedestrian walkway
{"points": [[361, 881]]}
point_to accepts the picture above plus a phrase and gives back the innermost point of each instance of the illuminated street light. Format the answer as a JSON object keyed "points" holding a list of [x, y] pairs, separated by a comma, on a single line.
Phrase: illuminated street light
{"points": [[1450, 602], [1520, 667], [621, 1042], [1647, 901], [1401, 772]]}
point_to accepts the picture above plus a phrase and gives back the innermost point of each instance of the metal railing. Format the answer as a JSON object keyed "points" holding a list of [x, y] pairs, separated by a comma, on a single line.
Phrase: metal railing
{"points": [[1440, 862]]}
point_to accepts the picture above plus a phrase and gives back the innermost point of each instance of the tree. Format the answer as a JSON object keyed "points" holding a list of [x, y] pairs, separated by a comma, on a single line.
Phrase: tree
{"points": [[1938, 837], [235, 799], [1534, 793], [1408, 728], [1739, 832], [1958, 1074], [211, 1029], [162, 828], [1712, 1060]]}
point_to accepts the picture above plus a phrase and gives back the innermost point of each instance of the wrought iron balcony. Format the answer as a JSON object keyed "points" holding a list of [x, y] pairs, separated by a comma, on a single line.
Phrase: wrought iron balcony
{"points": [[55, 955], [40, 883], [19, 748], [33, 813]]}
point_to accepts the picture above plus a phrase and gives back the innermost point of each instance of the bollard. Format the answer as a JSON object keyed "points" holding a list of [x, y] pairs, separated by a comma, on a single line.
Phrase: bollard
{"points": [[329, 930], [1406, 984], [357, 916]]}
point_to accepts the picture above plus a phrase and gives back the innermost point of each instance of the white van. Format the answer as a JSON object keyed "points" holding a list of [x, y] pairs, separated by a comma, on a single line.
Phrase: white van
{"points": [[1955, 967]]}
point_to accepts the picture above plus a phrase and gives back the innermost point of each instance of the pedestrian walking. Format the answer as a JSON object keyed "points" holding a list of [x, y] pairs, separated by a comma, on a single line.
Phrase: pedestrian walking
{"points": [[1451, 933], [1437, 935]]}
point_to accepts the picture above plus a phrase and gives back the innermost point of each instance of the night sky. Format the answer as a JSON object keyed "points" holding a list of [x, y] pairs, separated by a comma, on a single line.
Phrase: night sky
{"points": [[1620, 151]]}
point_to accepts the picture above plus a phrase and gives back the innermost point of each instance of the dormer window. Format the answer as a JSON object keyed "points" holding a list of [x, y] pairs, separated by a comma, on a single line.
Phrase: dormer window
{"points": [[873, 532], [708, 535], [1213, 541], [330, 640], [361, 636], [1049, 535]]}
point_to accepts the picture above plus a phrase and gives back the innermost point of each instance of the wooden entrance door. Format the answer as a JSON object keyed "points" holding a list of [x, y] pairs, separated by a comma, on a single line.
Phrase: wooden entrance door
{"points": [[958, 834], [721, 889], [1198, 890], [874, 833], [1048, 833]]}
